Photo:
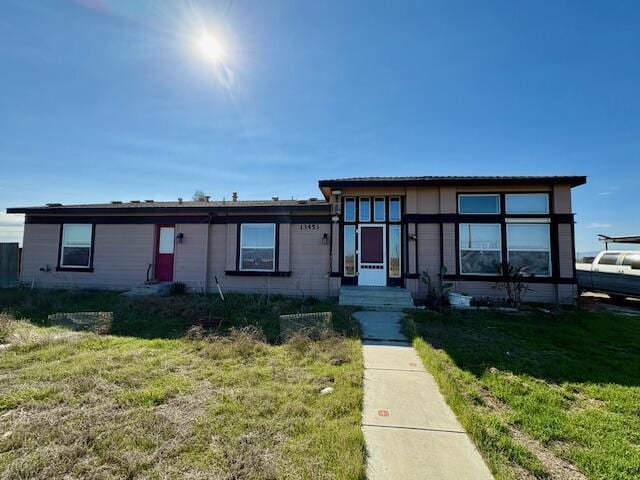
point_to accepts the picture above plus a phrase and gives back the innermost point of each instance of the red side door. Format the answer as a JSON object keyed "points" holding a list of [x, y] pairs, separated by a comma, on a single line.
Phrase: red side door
{"points": [[165, 247]]}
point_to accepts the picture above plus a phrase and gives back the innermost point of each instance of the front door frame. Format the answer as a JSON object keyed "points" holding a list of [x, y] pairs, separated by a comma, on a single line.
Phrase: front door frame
{"points": [[383, 271], [157, 253]]}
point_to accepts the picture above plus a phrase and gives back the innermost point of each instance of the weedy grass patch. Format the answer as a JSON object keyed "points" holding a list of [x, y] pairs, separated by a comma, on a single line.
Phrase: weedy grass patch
{"points": [[226, 404], [541, 394]]}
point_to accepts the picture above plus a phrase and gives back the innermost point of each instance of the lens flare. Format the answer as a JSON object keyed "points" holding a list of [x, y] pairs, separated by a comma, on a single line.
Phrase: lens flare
{"points": [[209, 49]]}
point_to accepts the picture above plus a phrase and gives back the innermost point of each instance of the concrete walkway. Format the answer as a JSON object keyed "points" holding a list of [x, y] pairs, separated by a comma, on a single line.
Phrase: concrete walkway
{"points": [[410, 432]]}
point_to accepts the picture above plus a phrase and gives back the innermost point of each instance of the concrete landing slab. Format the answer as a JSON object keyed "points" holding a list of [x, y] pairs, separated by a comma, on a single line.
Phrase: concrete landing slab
{"points": [[391, 356], [381, 325], [405, 399], [422, 455]]}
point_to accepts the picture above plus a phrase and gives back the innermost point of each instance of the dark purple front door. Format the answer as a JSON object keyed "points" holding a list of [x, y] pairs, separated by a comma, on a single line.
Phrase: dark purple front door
{"points": [[165, 244], [372, 269]]}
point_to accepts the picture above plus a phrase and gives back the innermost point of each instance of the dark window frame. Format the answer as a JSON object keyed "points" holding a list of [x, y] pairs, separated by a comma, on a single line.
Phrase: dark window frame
{"points": [[70, 268]]}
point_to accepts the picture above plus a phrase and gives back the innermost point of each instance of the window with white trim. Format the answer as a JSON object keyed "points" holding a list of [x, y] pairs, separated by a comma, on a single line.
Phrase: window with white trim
{"points": [[394, 209], [529, 247], [527, 203], [379, 209], [395, 251], [484, 203], [75, 249], [350, 209], [349, 250], [258, 247], [365, 209], [480, 248]]}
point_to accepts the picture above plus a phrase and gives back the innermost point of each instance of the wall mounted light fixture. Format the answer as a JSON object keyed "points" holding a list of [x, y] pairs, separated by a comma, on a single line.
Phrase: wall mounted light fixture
{"points": [[325, 239], [180, 237]]}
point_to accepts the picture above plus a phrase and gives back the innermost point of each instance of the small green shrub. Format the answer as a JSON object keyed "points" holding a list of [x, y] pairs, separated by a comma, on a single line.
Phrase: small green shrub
{"points": [[5, 327], [178, 288]]}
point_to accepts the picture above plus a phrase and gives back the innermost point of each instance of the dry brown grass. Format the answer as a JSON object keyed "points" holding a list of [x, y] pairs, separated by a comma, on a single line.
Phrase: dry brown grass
{"points": [[78, 405]]}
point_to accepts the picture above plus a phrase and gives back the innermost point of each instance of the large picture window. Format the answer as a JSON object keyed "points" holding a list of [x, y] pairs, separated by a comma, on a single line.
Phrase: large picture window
{"points": [[257, 247], [480, 248], [527, 203], [529, 248], [75, 250], [479, 203]]}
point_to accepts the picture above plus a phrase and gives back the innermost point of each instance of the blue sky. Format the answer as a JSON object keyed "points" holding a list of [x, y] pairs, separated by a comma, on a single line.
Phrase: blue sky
{"points": [[106, 100]]}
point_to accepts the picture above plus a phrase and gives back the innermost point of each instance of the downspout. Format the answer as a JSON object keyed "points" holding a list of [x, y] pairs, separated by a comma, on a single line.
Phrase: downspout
{"points": [[206, 255]]}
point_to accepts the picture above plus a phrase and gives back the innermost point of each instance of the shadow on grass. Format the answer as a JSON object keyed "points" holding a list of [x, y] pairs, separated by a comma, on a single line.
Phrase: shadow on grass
{"points": [[572, 346], [171, 317]]}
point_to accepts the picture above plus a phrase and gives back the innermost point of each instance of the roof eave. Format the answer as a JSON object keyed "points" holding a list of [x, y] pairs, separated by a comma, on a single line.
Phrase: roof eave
{"points": [[163, 210], [573, 181]]}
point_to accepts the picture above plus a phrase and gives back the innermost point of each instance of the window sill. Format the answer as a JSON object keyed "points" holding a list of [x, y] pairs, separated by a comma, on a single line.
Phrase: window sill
{"points": [[74, 269], [249, 273]]}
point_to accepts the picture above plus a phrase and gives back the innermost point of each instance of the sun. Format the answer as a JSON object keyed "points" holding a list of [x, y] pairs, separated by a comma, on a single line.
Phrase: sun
{"points": [[209, 48]]}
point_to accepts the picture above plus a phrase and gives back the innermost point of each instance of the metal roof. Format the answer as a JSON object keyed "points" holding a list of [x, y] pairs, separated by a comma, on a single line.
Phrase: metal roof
{"points": [[574, 181], [190, 206]]}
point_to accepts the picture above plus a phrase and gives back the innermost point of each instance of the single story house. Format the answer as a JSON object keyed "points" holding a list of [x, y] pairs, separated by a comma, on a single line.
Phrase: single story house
{"points": [[363, 231]]}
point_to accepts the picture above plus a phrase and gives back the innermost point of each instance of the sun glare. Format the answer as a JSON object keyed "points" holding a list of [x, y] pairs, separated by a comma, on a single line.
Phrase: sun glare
{"points": [[209, 48]]}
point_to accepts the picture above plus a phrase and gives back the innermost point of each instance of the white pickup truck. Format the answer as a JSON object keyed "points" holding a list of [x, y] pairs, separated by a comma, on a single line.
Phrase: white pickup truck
{"points": [[616, 273]]}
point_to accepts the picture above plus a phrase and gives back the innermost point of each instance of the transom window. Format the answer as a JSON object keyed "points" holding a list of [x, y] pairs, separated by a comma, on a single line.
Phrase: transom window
{"points": [[529, 248], [379, 210], [365, 209], [479, 203], [480, 248], [257, 247], [394, 209], [349, 209], [75, 250], [527, 203]]}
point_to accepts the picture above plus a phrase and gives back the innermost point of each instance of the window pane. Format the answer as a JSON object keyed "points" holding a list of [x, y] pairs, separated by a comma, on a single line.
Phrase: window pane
{"points": [[527, 203], [365, 210], [76, 234], [350, 210], [479, 203], [349, 250], [75, 256], [528, 237], [631, 258], [166, 240], [534, 263], [481, 262], [479, 236], [394, 250], [394, 210], [257, 259], [378, 210], [609, 259], [258, 235]]}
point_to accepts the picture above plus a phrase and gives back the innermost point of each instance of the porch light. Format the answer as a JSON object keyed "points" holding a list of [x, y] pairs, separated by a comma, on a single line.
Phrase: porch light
{"points": [[180, 237], [335, 219], [325, 238]]}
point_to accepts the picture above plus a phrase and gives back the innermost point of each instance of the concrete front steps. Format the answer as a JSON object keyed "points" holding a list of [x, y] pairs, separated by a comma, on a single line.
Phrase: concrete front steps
{"points": [[158, 289], [376, 298]]}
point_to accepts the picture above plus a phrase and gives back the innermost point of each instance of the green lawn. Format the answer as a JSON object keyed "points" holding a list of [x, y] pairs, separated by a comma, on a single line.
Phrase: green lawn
{"points": [[568, 383], [232, 405]]}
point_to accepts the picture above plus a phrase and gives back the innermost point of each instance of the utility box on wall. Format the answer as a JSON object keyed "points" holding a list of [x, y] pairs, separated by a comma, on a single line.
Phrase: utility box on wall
{"points": [[9, 260]]}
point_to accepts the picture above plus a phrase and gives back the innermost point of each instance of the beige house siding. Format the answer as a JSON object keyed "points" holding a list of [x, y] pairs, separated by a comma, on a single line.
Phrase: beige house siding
{"points": [[191, 256], [428, 252], [308, 263], [562, 199], [284, 253], [122, 254]]}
